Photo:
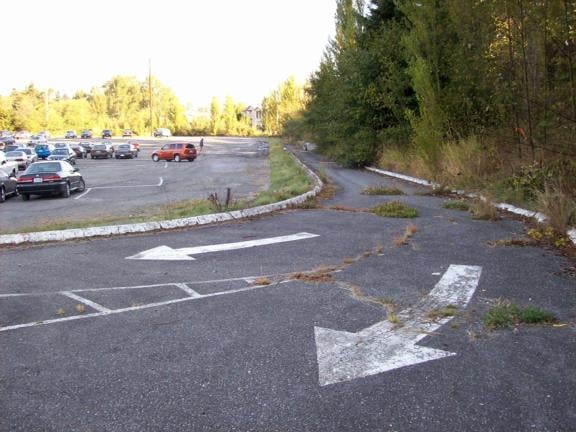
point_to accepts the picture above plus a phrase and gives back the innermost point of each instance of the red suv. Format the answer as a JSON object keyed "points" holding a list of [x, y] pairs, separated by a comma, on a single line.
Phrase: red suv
{"points": [[175, 152]]}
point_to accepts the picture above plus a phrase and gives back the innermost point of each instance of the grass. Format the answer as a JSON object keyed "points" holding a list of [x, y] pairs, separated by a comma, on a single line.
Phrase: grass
{"points": [[483, 209], [394, 209], [443, 312], [456, 205], [381, 190], [262, 280], [409, 232], [287, 180], [505, 314], [558, 206]]}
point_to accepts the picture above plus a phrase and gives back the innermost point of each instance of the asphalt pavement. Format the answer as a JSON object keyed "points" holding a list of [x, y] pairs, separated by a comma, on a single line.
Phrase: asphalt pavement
{"points": [[125, 189], [234, 339]]}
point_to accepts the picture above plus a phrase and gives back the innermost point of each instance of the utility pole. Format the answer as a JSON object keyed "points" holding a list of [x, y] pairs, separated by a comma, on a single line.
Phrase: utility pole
{"points": [[150, 95], [46, 109]]}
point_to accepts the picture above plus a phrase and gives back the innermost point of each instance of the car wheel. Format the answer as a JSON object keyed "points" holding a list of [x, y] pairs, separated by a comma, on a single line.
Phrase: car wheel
{"points": [[25, 196], [176, 158], [2, 194], [66, 191], [82, 186], [155, 158]]}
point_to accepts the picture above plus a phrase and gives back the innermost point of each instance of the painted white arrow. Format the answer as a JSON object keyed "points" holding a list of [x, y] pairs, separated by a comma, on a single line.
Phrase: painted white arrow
{"points": [[167, 253], [344, 356]]}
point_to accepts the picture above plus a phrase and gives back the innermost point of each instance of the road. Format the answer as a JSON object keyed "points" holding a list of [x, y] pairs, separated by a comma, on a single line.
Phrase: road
{"points": [[93, 341], [139, 187]]}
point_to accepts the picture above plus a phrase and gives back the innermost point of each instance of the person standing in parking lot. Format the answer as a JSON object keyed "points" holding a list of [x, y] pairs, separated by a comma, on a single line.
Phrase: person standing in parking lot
{"points": [[201, 144]]}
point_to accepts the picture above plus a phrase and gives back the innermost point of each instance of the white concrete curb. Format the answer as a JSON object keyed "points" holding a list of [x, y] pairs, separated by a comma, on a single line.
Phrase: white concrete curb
{"points": [[81, 233], [540, 217]]}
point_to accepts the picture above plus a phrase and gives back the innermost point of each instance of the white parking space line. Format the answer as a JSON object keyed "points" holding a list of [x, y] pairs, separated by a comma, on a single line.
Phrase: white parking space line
{"points": [[161, 182], [165, 164], [188, 290], [106, 312], [87, 302], [83, 193]]}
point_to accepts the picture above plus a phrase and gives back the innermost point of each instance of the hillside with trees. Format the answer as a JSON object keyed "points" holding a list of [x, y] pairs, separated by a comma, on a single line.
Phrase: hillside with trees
{"points": [[471, 93]]}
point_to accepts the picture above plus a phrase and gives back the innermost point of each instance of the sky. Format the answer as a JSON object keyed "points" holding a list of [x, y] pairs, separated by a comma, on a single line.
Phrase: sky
{"points": [[198, 48]]}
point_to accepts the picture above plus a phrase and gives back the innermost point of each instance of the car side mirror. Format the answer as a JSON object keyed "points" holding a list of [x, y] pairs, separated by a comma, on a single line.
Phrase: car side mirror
{"points": [[75, 170]]}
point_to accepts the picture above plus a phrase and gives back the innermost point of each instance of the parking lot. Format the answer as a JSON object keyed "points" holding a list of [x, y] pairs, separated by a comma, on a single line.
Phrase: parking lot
{"points": [[139, 186]]}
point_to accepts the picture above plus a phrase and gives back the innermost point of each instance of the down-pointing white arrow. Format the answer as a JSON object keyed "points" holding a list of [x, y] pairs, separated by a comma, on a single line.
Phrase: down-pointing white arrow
{"points": [[344, 356], [168, 253]]}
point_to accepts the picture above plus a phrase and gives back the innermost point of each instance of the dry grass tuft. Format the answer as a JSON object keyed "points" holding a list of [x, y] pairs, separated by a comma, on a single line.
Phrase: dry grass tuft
{"points": [[80, 308], [483, 209], [381, 190], [319, 275], [558, 206], [60, 312], [262, 280], [512, 242]]}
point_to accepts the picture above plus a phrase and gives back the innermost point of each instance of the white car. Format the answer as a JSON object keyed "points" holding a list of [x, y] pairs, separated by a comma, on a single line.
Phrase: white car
{"points": [[36, 139], [20, 157], [9, 168]]}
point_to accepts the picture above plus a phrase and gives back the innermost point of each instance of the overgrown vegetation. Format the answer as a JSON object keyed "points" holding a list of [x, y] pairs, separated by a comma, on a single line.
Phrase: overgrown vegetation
{"points": [[394, 209], [456, 205], [505, 314], [381, 190], [477, 95]]}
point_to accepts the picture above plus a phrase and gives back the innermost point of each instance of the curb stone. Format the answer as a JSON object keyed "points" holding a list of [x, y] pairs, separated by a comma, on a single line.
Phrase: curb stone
{"points": [[540, 217], [113, 230]]}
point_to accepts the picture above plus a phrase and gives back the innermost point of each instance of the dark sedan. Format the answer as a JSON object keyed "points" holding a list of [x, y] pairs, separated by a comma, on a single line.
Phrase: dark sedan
{"points": [[126, 151], [8, 186], [48, 178], [106, 133], [86, 134], [101, 151], [63, 154], [80, 150]]}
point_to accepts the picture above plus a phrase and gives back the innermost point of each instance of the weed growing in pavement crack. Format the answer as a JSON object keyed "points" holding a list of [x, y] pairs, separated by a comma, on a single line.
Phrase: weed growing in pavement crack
{"points": [[381, 190], [394, 209], [505, 314]]}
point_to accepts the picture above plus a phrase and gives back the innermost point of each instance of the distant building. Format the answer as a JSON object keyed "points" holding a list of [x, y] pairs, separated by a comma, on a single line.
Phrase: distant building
{"points": [[255, 116]]}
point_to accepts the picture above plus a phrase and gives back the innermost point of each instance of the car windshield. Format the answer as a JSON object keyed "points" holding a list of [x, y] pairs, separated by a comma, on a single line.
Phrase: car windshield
{"points": [[124, 147], [39, 168], [99, 147], [15, 153], [60, 151], [27, 151], [42, 146], [60, 145]]}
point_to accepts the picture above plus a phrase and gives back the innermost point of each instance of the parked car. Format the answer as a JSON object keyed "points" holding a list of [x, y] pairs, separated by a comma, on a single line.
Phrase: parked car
{"points": [[8, 140], [106, 133], [86, 134], [5, 133], [101, 151], [9, 168], [71, 134], [30, 154], [87, 146], [48, 178], [80, 150], [19, 157], [22, 135], [124, 151], [45, 134], [175, 152], [162, 132], [36, 139], [43, 150], [63, 154], [11, 147], [127, 133], [8, 186]]}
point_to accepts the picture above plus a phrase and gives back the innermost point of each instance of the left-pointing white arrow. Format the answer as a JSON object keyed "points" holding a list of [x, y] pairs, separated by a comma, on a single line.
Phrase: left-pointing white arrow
{"points": [[344, 356], [168, 253]]}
